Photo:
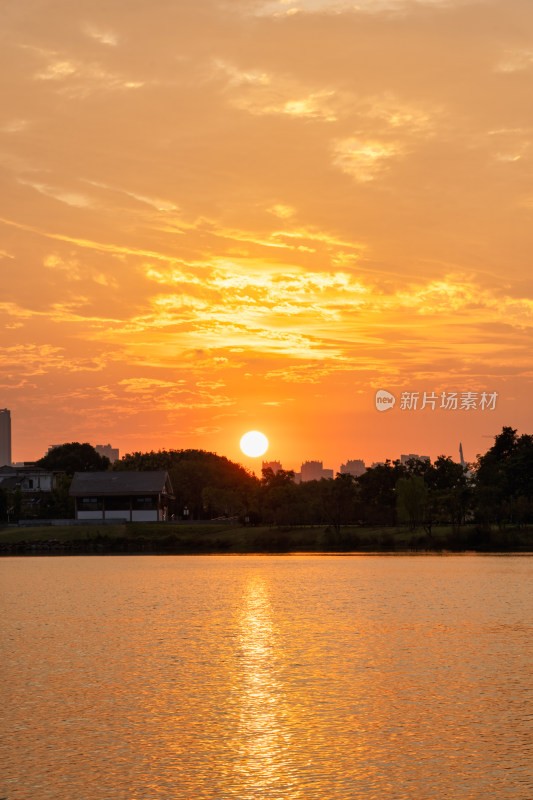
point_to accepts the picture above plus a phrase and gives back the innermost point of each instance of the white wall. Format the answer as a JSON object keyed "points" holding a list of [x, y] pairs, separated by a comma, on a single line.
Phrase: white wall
{"points": [[117, 513], [138, 515], [144, 515], [91, 515]]}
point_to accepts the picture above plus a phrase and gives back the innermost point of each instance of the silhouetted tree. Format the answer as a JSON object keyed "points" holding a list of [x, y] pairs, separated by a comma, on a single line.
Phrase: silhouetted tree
{"points": [[60, 505], [504, 479], [279, 497], [74, 457], [207, 484], [412, 500], [4, 504], [16, 506], [378, 491], [339, 499], [450, 491]]}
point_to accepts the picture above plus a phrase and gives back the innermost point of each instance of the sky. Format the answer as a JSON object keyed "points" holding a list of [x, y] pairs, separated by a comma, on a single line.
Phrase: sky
{"points": [[223, 216]]}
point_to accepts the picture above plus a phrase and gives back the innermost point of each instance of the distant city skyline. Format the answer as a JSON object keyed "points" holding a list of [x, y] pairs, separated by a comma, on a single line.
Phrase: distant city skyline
{"points": [[336, 463], [474, 442], [309, 469], [356, 466]]}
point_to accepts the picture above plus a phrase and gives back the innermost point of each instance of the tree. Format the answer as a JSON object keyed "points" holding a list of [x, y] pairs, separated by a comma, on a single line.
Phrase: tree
{"points": [[339, 497], [74, 457], [378, 491], [279, 497], [504, 479], [4, 504], [222, 502], [450, 492], [280, 478], [412, 499], [205, 483], [60, 504], [16, 507]]}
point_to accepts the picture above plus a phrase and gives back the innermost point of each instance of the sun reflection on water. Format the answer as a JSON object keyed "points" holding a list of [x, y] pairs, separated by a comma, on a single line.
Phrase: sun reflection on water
{"points": [[264, 738]]}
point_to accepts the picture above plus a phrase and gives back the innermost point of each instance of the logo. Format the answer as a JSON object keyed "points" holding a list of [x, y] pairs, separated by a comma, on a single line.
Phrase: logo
{"points": [[384, 400]]}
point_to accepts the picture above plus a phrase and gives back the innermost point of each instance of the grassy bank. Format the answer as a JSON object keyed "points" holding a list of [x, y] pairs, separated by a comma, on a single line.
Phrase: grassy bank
{"points": [[149, 538]]}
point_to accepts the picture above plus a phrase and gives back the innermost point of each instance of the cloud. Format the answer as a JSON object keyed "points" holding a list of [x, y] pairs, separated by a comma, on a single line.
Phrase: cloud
{"points": [[70, 198], [282, 211], [515, 61], [264, 93], [14, 126], [289, 8], [148, 385], [364, 160], [160, 205], [78, 79], [87, 243], [32, 360], [101, 35]]}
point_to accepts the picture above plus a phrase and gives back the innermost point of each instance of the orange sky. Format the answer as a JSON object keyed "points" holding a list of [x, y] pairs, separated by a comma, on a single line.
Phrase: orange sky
{"points": [[218, 216]]}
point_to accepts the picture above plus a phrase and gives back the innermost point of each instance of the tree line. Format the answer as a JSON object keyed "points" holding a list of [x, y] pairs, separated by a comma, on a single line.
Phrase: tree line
{"points": [[497, 489]]}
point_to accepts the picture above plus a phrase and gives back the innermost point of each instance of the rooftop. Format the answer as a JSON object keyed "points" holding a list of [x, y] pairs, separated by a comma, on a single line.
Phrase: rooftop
{"points": [[109, 483]]}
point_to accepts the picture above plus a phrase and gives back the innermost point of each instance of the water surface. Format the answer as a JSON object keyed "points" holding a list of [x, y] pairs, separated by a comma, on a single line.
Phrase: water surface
{"points": [[251, 677]]}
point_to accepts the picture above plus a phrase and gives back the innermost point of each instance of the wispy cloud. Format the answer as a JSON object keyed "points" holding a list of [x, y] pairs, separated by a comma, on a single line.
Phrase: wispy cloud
{"points": [[364, 160], [106, 37]]}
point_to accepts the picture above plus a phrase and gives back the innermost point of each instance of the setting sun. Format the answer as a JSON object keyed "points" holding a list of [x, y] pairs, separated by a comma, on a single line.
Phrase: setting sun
{"points": [[254, 443]]}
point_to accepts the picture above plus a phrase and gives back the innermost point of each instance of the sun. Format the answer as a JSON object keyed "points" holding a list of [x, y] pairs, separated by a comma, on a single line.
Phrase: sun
{"points": [[254, 443]]}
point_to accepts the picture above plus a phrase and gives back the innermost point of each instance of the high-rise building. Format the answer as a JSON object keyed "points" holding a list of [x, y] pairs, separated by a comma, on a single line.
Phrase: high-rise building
{"points": [[5, 437], [106, 450], [314, 471], [275, 466], [353, 467], [311, 471], [405, 457]]}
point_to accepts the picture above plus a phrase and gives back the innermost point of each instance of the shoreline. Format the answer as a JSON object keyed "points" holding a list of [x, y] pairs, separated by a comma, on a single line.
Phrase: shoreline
{"points": [[444, 553], [232, 539]]}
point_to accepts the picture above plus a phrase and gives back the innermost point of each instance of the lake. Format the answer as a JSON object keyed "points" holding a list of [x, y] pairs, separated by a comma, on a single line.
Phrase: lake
{"points": [[267, 677]]}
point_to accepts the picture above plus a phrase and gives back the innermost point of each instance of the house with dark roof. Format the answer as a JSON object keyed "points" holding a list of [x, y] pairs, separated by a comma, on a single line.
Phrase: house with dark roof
{"points": [[34, 483], [129, 496], [28, 479]]}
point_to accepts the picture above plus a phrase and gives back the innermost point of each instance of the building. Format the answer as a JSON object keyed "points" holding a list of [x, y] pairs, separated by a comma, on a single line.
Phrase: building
{"points": [[130, 496], [275, 466], [28, 479], [5, 437], [405, 457], [106, 450], [353, 467], [313, 471], [34, 483]]}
